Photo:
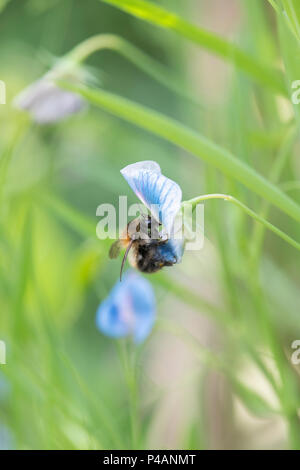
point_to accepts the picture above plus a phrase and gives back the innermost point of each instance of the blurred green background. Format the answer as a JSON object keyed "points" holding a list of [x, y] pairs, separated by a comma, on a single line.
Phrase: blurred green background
{"points": [[216, 371]]}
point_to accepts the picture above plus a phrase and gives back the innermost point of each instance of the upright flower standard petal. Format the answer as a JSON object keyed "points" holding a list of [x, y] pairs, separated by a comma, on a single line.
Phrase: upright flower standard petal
{"points": [[129, 310], [161, 195]]}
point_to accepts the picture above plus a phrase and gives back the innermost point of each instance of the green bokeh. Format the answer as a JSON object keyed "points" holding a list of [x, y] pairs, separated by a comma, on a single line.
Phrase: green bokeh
{"points": [[216, 372]]}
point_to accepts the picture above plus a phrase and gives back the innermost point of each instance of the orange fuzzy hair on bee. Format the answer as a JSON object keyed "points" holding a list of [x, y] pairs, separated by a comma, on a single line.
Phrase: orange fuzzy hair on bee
{"points": [[125, 238], [125, 241]]}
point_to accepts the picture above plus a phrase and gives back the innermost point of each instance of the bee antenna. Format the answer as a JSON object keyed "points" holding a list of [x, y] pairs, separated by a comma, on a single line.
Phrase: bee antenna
{"points": [[125, 257]]}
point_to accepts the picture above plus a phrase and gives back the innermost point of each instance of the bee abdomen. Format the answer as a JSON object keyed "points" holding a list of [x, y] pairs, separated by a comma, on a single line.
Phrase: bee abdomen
{"points": [[149, 259]]}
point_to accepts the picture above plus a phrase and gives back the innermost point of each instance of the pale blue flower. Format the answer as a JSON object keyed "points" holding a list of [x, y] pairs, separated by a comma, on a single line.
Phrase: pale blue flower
{"points": [[129, 309], [161, 195]]}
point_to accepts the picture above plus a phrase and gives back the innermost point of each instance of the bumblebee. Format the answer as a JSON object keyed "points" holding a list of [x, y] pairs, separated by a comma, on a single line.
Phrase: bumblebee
{"points": [[146, 248]]}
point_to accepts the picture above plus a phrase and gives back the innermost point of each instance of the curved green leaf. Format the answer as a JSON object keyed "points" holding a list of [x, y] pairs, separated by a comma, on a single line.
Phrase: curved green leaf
{"points": [[210, 41], [191, 141], [147, 64]]}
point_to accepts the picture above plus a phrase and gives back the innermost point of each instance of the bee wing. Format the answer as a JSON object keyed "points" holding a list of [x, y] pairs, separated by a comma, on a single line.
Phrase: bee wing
{"points": [[115, 249]]}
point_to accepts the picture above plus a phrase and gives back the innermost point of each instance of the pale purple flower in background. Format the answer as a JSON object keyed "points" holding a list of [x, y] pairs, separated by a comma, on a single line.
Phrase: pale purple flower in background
{"points": [[45, 101]]}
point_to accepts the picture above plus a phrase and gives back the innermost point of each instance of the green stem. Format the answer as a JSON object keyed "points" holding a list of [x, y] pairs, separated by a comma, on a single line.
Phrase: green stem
{"points": [[129, 370], [157, 71], [21, 127], [235, 326], [276, 170], [157, 15], [274, 5], [249, 212], [290, 185], [291, 18], [287, 392]]}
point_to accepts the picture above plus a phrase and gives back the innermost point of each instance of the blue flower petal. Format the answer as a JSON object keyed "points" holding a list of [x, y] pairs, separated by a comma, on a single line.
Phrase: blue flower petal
{"points": [[129, 309], [172, 250], [160, 195]]}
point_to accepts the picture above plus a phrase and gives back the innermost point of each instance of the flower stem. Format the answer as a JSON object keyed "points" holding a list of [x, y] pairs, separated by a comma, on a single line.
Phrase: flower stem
{"points": [[290, 185], [21, 127], [151, 67], [249, 212], [128, 363], [276, 170]]}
